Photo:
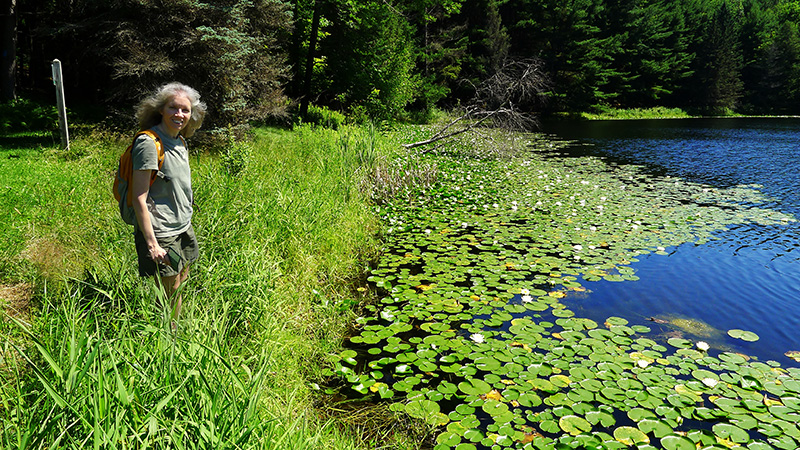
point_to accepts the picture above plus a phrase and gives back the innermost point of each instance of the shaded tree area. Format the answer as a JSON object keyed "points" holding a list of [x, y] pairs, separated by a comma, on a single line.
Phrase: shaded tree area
{"points": [[400, 59], [113, 51]]}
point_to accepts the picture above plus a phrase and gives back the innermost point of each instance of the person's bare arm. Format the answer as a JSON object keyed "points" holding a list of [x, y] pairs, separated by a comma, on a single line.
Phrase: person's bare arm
{"points": [[141, 188]]}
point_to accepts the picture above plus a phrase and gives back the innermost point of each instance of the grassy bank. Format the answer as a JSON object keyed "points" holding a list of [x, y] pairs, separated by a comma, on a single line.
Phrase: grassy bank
{"points": [[87, 356], [659, 112]]}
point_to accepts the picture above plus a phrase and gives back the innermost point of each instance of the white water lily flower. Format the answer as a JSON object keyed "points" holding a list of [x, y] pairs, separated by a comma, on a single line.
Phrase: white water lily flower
{"points": [[524, 291], [427, 231], [642, 363], [578, 247], [527, 299], [710, 382], [477, 338], [703, 346]]}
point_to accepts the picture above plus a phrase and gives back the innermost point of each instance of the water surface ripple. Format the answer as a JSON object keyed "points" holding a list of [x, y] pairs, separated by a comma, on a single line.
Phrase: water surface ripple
{"points": [[750, 277]]}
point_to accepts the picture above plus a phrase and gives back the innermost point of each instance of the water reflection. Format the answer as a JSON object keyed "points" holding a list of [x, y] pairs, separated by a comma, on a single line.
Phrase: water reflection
{"points": [[750, 277]]}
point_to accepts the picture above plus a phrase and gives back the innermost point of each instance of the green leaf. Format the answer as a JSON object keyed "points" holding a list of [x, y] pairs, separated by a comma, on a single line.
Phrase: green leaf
{"points": [[474, 387], [574, 425], [674, 442], [730, 432], [680, 343], [630, 436], [602, 417], [748, 336], [657, 427]]}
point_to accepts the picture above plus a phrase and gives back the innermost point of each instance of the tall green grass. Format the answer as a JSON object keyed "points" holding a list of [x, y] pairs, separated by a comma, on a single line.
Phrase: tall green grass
{"points": [[657, 112], [93, 362]]}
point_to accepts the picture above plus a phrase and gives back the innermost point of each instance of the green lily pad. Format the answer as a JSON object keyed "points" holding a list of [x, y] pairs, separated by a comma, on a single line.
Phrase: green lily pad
{"points": [[675, 442], [600, 417], [748, 336], [423, 409], [494, 407], [574, 425], [630, 436], [474, 386], [680, 342], [549, 426], [658, 428], [730, 432]]}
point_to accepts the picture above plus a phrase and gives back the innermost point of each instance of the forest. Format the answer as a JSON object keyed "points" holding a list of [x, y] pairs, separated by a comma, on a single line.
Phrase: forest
{"points": [[264, 60]]}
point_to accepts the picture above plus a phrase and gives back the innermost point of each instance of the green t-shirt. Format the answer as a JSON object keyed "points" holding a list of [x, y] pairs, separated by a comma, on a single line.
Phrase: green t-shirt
{"points": [[170, 198]]}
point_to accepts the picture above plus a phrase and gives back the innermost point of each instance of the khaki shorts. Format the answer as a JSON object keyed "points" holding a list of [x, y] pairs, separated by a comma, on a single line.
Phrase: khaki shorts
{"points": [[184, 245]]}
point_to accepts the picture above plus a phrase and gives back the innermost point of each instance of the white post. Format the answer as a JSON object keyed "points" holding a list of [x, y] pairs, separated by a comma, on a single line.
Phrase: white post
{"points": [[62, 109]]}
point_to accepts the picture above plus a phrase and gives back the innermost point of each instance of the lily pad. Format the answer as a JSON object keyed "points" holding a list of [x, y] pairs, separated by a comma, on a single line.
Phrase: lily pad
{"points": [[731, 432], [630, 436], [675, 442], [427, 410], [680, 343], [574, 425], [748, 336], [474, 386], [658, 428]]}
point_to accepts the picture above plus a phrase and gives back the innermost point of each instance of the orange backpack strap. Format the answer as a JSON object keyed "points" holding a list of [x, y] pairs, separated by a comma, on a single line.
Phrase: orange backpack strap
{"points": [[154, 174], [159, 149]]}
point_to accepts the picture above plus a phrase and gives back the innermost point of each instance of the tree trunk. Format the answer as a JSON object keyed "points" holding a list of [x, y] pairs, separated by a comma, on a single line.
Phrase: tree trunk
{"points": [[312, 48], [8, 50]]}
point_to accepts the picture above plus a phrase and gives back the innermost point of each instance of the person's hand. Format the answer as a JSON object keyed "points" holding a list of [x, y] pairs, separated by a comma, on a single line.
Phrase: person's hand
{"points": [[158, 254]]}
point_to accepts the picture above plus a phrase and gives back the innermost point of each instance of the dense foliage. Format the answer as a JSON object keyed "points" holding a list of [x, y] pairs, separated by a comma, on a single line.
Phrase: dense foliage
{"points": [[383, 59]]}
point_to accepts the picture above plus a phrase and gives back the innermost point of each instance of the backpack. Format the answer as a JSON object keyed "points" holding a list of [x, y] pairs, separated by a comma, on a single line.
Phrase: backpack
{"points": [[122, 181]]}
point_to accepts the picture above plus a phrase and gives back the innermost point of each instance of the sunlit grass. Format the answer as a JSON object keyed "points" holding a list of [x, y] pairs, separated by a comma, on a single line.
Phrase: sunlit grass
{"points": [[658, 112], [93, 363]]}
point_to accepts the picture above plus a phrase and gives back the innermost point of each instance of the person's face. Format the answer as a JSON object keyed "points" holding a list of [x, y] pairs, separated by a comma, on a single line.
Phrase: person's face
{"points": [[176, 113]]}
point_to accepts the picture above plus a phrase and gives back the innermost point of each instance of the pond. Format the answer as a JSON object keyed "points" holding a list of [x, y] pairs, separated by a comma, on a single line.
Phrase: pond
{"points": [[749, 277], [589, 292]]}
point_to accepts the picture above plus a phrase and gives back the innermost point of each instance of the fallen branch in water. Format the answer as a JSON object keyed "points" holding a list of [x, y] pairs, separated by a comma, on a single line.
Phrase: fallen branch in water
{"points": [[499, 100]]}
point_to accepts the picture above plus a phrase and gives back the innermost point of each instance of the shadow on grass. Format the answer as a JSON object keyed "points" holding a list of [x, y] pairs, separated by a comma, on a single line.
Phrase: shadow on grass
{"points": [[27, 141]]}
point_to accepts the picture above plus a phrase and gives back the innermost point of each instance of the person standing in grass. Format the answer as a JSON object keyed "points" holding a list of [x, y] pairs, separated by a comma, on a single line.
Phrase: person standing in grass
{"points": [[166, 244]]}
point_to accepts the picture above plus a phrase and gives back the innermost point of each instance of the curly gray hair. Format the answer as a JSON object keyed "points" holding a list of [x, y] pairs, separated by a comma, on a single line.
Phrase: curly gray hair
{"points": [[148, 112]]}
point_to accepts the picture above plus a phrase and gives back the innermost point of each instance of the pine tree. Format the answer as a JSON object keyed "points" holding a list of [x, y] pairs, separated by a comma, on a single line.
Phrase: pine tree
{"points": [[720, 59]]}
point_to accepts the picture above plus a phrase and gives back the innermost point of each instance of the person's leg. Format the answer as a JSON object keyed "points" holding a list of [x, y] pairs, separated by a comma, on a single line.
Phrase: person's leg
{"points": [[171, 287]]}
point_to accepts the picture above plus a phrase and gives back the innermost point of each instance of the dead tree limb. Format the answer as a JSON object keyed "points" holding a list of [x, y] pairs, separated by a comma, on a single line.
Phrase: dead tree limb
{"points": [[442, 134], [506, 101]]}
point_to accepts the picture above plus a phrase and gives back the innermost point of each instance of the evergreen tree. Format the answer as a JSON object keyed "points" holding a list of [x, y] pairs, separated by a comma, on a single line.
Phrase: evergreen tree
{"points": [[781, 81], [720, 59], [656, 58], [565, 36], [488, 44]]}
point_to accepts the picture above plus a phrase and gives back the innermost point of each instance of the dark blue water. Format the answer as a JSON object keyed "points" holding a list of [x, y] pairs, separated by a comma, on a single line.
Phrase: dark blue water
{"points": [[749, 278]]}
